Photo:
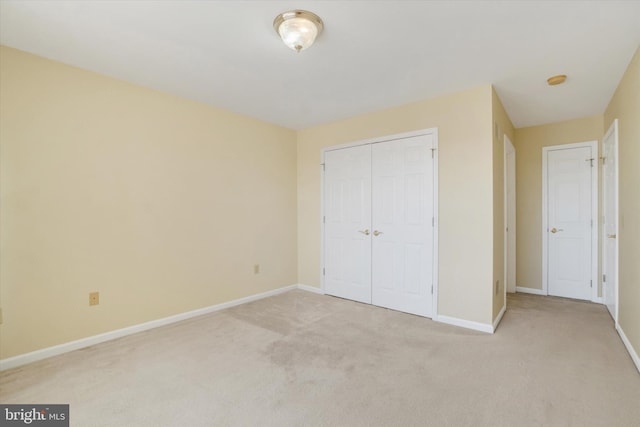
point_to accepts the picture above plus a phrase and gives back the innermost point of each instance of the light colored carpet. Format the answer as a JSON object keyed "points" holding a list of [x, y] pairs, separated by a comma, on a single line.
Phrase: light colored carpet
{"points": [[305, 359]]}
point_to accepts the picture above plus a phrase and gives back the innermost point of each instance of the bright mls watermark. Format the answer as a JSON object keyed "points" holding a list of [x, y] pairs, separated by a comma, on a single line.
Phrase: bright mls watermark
{"points": [[34, 415]]}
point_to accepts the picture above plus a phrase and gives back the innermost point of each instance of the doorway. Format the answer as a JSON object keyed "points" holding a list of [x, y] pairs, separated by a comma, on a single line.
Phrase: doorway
{"points": [[379, 222], [569, 229], [510, 215], [610, 220]]}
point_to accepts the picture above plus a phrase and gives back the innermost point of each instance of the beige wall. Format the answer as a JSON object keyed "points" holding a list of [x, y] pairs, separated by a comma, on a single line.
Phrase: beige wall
{"points": [[465, 184], [625, 106], [501, 125], [163, 205], [528, 143]]}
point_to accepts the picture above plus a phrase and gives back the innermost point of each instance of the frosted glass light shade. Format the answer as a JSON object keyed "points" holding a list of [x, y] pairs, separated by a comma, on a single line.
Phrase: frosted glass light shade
{"points": [[298, 29]]}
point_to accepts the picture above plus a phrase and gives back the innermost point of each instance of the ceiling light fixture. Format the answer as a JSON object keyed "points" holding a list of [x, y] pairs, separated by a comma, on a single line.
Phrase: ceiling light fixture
{"points": [[556, 80], [298, 28]]}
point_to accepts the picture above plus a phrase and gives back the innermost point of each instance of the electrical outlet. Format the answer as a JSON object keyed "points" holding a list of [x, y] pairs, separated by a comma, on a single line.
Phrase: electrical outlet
{"points": [[94, 298], [256, 269]]}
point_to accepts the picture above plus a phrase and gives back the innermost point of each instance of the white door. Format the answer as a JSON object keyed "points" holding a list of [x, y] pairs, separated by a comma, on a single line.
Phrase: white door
{"points": [[510, 210], [569, 221], [347, 204], [610, 220], [402, 228]]}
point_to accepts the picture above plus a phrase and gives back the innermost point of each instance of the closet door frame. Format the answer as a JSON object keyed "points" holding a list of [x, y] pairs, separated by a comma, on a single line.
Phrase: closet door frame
{"points": [[434, 133]]}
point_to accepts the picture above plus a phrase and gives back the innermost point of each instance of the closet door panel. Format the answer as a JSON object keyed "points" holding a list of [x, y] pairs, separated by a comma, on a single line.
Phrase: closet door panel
{"points": [[402, 236], [347, 207]]}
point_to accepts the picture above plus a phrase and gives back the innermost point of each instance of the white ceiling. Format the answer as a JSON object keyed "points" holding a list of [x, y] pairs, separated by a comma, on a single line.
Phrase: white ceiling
{"points": [[372, 54]]}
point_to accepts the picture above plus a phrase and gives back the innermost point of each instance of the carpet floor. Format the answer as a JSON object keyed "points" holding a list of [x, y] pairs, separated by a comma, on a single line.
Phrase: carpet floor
{"points": [[304, 359]]}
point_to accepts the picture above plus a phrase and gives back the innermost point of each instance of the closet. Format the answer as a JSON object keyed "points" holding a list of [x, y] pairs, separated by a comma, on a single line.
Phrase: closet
{"points": [[379, 222]]}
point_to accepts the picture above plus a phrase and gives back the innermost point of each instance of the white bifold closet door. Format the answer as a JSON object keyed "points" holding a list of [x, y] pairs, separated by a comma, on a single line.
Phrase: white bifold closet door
{"points": [[379, 224]]}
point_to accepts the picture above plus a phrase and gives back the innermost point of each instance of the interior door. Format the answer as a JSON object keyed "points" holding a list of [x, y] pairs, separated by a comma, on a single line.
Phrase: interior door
{"points": [[569, 219], [610, 220], [402, 228], [347, 203], [510, 208]]}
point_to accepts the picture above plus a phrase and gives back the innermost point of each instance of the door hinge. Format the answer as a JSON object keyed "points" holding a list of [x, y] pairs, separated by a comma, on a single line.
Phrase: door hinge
{"points": [[591, 283], [603, 159], [431, 289], [591, 223], [323, 271], [324, 219], [604, 278], [590, 160], [432, 151], [322, 164]]}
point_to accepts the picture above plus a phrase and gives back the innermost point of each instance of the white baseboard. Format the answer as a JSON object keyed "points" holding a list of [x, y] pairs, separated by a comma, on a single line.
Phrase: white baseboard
{"points": [[499, 317], [630, 349], [23, 359], [530, 291], [311, 289], [442, 319], [44, 353], [597, 300], [476, 326]]}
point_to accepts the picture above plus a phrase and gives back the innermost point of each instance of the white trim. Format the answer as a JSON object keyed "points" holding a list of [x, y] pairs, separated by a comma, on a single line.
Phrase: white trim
{"points": [[322, 222], [499, 317], [476, 326], [405, 135], [530, 291], [630, 349], [436, 225], [594, 215], [55, 350], [545, 225], [595, 236], [311, 289], [616, 193], [508, 148]]}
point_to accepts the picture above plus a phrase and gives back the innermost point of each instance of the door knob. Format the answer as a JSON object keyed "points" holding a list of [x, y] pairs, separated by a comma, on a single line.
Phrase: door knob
{"points": [[365, 232], [555, 230], [377, 233], [611, 236]]}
